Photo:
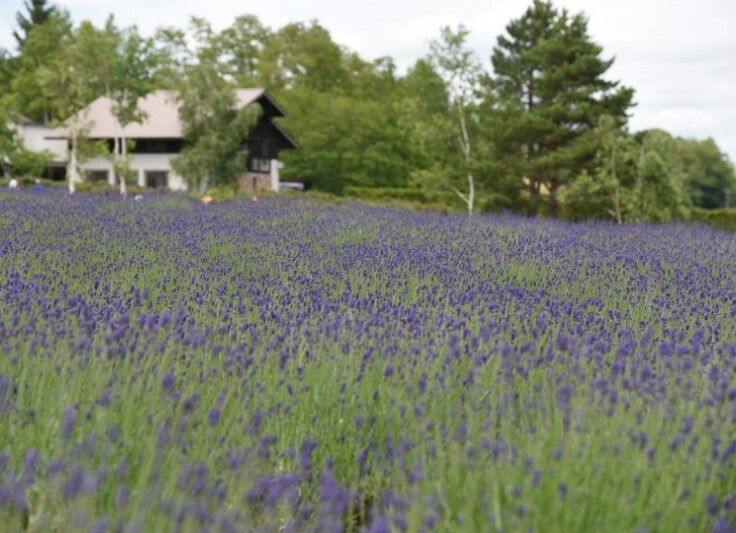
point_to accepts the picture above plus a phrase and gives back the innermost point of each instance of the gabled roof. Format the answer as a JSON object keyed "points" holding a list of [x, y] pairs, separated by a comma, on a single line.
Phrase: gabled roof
{"points": [[162, 115], [289, 138]]}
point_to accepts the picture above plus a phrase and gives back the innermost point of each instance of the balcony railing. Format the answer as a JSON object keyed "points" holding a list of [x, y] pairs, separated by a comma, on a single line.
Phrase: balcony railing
{"points": [[259, 165]]}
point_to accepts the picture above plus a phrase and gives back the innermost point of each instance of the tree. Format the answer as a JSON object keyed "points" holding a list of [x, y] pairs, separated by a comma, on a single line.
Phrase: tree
{"points": [[214, 128], [424, 113], [660, 193], [548, 91], [118, 64], [37, 13], [302, 55], [460, 70], [42, 47], [7, 70], [15, 159], [708, 173], [134, 64], [72, 79], [241, 45], [609, 190], [345, 141], [633, 178], [99, 58]]}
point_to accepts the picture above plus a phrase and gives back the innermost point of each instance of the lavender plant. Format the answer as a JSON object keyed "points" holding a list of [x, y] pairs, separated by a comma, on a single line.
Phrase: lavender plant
{"points": [[292, 366]]}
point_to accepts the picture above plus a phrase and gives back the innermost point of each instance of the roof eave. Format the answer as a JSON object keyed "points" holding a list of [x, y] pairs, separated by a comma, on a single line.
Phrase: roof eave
{"points": [[280, 110], [286, 134]]}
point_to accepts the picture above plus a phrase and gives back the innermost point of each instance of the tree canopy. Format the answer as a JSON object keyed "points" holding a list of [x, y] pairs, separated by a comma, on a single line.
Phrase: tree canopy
{"points": [[549, 90], [539, 126], [37, 12]]}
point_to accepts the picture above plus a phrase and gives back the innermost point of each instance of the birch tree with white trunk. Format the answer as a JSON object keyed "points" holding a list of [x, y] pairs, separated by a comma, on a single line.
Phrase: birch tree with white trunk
{"points": [[461, 71], [134, 68], [215, 126], [70, 83]]}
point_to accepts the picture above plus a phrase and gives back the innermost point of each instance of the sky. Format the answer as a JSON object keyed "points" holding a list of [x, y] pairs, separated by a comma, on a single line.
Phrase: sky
{"points": [[679, 55]]}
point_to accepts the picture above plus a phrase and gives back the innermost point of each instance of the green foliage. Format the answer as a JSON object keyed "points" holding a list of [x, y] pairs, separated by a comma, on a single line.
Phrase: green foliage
{"points": [[660, 193], [31, 89], [548, 91], [344, 141], [37, 12], [29, 180], [633, 178], [707, 172], [214, 129], [443, 198], [302, 55], [719, 218], [7, 68], [134, 62], [241, 46], [459, 69], [29, 163], [15, 159], [532, 135], [121, 164]]}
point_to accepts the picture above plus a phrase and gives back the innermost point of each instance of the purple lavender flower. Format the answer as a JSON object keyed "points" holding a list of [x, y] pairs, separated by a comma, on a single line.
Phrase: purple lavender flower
{"points": [[380, 525], [214, 415], [168, 381], [305, 453], [68, 421], [73, 484]]}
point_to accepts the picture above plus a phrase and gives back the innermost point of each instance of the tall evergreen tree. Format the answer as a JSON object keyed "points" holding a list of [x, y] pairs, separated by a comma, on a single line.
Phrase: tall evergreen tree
{"points": [[549, 90], [37, 12]]}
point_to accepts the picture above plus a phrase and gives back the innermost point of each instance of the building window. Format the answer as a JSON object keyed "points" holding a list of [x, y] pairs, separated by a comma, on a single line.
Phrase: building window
{"points": [[55, 172], [157, 146], [260, 165], [98, 176], [157, 179]]}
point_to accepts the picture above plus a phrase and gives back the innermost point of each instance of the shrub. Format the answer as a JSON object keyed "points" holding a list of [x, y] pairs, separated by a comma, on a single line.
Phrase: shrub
{"points": [[719, 218], [421, 196]]}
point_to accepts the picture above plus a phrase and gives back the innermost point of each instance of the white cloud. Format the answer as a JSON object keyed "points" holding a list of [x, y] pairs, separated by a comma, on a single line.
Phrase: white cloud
{"points": [[679, 55]]}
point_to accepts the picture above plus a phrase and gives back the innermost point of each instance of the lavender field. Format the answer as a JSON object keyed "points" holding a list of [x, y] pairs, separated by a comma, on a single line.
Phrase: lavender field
{"points": [[289, 365]]}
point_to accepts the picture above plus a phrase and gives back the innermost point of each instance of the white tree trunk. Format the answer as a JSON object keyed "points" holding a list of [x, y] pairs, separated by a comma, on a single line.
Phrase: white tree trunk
{"points": [[471, 193], [203, 184], [73, 169], [465, 146], [123, 150], [115, 161]]}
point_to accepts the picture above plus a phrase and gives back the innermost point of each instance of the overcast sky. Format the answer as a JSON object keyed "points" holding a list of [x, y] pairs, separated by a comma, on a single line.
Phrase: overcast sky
{"points": [[679, 55]]}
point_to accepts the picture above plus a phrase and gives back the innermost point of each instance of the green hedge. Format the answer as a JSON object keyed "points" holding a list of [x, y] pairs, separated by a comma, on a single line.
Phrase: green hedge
{"points": [[89, 186], [719, 218], [443, 198], [25, 181]]}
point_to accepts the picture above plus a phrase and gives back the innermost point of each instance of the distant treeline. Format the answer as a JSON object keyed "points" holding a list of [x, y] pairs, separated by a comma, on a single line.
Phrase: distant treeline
{"points": [[544, 131]]}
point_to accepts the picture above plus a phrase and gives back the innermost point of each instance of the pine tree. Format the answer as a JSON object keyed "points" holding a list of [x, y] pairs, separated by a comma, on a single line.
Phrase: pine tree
{"points": [[549, 90], [38, 12]]}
